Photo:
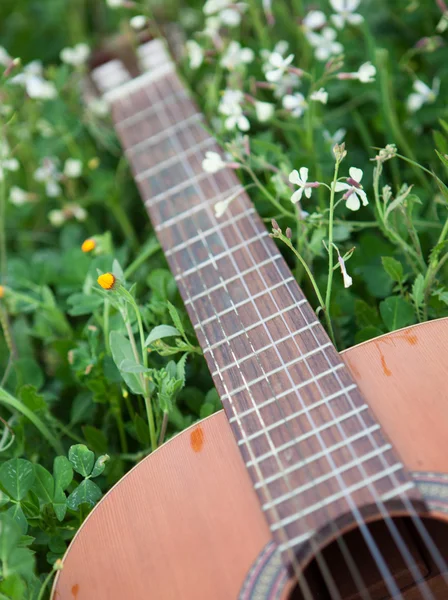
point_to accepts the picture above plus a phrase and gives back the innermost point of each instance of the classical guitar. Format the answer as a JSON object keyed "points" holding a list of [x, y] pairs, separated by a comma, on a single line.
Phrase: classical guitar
{"points": [[326, 475]]}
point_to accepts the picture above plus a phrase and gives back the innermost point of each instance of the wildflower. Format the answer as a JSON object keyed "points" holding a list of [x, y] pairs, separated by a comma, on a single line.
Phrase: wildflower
{"points": [[336, 138], [2, 291], [75, 56], [195, 54], [44, 128], [286, 85], [325, 44], [345, 276], [300, 178], [354, 193], [76, 211], [365, 74], [320, 96], [390, 151], [236, 56], [227, 11], [88, 245], [49, 174], [5, 59], [230, 106], [222, 206], [17, 196], [264, 111], [7, 162], [138, 22], [56, 217], [34, 83], [212, 162], [345, 13], [93, 163], [295, 104], [212, 27], [107, 281], [315, 19], [72, 168], [423, 94], [278, 66], [280, 47], [98, 107], [114, 3]]}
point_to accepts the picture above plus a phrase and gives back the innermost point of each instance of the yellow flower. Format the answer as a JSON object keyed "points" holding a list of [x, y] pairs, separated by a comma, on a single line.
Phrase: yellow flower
{"points": [[88, 245], [107, 281], [2, 291]]}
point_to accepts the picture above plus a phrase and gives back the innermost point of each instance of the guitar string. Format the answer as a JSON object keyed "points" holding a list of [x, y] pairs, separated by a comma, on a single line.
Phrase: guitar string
{"points": [[403, 549], [352, 566], [296, 567]]}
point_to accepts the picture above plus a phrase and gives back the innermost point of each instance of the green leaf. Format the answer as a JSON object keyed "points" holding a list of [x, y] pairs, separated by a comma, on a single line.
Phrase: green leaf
{"points": [[17, 476], [32, 399], [83, 304], [9, 535], [87, 492], [141, 430], [82, 459], [396, 313], [418, 291], [176, 318], [366, 314], [100, 465], [393, 268], [367, 333], [62, 472], [121, 349], [43, 484], [20, 562], [16, 512], [161, 331], [59, 503], [131, 366], [4, 499], [95, 438]]}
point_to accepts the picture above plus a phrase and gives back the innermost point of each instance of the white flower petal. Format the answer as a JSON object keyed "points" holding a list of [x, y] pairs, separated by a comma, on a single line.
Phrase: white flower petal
{"points": [[294, 177], [353, 202], [340, 186], [308, 192], [356, 173], [363, 196], [415, 102], [303, 174], [297, 196]]}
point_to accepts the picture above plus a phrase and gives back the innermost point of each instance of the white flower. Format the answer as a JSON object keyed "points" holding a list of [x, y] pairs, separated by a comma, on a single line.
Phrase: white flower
{"points": [[295, 104], [300, 178], [213, 162], [44, 128], [423, 94], [32, 79], [17, 196], [278, 66], [75, 56], [76, 211], [264, 111], [325, 44], [7, 163], [354, 193], [138, 22], [212, 27], [114, 3], [345, 276], [98, 107], [56, 217], [286, 85], [222, 206], [236, 56], [5, 59], [315, 19], [49, 174], [195, 54], [230, 106], [320, 96], [366, 73], [345, 10], [336, 138], [72, 168], [227, 11]]}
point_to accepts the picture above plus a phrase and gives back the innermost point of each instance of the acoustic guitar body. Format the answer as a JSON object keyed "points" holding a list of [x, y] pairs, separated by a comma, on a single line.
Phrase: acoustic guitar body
{"points": [[186, 524]]}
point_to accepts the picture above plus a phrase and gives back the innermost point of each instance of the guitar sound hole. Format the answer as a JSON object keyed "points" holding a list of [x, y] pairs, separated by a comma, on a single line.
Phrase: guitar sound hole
{"points": [[377, 587]]}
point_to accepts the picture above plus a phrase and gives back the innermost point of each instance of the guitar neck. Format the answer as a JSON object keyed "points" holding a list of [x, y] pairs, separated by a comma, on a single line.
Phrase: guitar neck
{"points": [[304, 431]]}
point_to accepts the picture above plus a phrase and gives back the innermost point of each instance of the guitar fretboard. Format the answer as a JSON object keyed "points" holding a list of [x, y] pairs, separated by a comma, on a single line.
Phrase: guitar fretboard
{"points": [[308, 439]]}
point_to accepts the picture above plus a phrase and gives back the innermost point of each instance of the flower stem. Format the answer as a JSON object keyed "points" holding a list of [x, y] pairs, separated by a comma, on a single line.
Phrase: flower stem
{"points": [[331, 249], [147, 252], [268, 195]]}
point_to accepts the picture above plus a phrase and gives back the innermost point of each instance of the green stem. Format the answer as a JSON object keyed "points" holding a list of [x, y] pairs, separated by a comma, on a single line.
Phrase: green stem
{"points": [[331, 249], [257, 23], [45, 584], [123, 221], [146, 253], [2, 231], [266, 193], [7, 400]]}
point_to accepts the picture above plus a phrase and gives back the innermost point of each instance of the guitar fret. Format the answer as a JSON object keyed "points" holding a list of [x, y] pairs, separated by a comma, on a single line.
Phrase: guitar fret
{"points": [[346, 467], [250, 327], [191, 211], [142, 114], [337, 496], [322, 454], [176, 188], [210, 231], [243, 302], [166, 133], [125, 89], [240, 275], [273, 372], [226, 253], [175, 159], [307, 435], [325, 400], [289, 336]]}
